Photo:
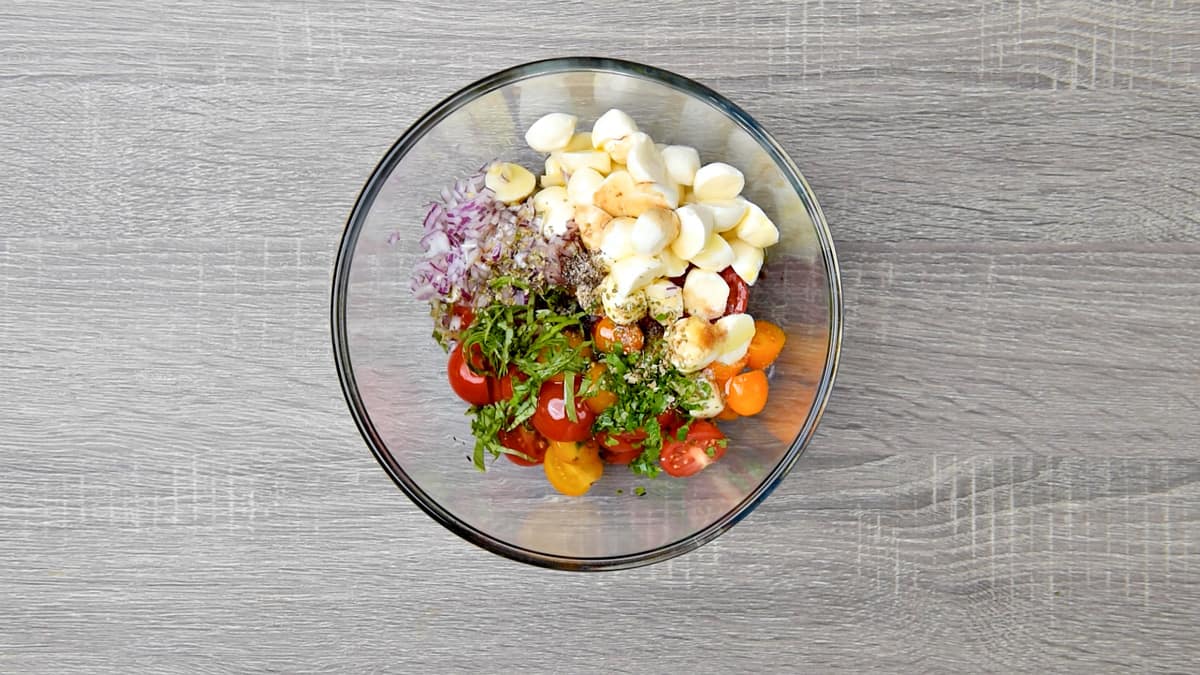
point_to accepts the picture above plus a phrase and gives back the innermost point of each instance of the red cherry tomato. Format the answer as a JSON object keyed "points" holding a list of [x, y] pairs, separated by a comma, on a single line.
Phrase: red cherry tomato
{"points": [[464, 315], [552, 420], [502, 387], [472, 387], [668, 422], [620, 453], [739, 292], [703, 445], [526, 441]]}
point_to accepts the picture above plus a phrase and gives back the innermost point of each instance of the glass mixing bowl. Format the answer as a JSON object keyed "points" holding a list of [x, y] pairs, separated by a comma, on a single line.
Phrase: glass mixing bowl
{"points": [[394, 375]]}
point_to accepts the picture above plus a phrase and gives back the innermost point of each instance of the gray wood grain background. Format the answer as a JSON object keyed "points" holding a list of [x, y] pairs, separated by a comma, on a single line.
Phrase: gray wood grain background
{"points": [[1007, 477]]}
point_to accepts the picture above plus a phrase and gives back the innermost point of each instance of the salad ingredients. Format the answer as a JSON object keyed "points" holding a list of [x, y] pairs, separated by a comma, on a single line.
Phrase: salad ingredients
{"points": [[471, 386], [737, 331], [597, 315], [562, 415], [717, 181], [696, 447], [609, 336], [766, 344], [613, 125], [470, 237], [739, 291], [512, 183], [572, 467], [551, 132], [529, 445], [746, 393], [682, 163], [705, 294]]}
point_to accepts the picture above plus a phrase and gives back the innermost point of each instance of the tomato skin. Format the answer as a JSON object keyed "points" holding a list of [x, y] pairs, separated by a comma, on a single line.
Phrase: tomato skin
{"points": [[606, 335], [464, 314], [502, 387], [615, 450], [602, 400], [575, 339], [571, 468], [670, 421], [526, 441], [766, 344], [691, 455], [747, 393], [551, 418], [474, 388], [722, 372], [703, 430], [739, 292]]}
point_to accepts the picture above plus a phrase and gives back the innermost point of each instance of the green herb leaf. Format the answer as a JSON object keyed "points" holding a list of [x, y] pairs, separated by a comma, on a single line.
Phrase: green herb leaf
{"points": [[569, 397], [533, 339]]}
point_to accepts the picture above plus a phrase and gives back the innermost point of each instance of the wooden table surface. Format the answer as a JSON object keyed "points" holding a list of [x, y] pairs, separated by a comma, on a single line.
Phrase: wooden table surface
{"points": [[1006, 479]]}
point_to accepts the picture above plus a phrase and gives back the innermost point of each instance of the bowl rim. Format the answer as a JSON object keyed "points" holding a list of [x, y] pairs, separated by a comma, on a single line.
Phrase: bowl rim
{"points": [[340, 286]]}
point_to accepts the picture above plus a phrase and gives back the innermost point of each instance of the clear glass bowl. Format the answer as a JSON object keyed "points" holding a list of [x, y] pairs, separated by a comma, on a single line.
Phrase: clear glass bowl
{"points": [[393, 373]]}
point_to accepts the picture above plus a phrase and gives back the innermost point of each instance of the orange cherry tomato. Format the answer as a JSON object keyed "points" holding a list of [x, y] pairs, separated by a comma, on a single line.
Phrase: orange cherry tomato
{"points": [[576, 340], [572, 467], [606, 335], [746, 394], [765, 345], [602, 400], [722, 372], [728, 415]]}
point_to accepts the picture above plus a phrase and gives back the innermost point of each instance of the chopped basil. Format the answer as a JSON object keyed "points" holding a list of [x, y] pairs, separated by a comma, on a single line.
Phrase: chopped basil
{"points": [[533, 339], [569, 396], [645, 386]]}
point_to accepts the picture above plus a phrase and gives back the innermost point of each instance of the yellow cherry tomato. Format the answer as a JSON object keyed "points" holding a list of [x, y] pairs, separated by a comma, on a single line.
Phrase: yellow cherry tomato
{"points": [[601, 400], [572, 467]]}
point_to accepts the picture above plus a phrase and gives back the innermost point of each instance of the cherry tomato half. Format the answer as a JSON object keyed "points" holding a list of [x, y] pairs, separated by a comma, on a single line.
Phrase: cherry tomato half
{"points": [[703, 445], [552, 419], [572, 467], [526, 441], [739, 292], [472, 387], [616, 450], [670, 421]]}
